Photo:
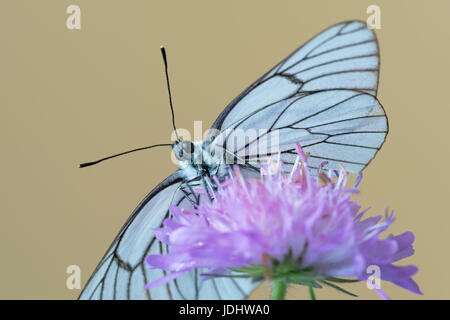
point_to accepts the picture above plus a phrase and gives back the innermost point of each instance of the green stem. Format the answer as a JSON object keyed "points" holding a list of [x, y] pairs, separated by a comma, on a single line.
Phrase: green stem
{"points": [[279, 288], [311, 292]]}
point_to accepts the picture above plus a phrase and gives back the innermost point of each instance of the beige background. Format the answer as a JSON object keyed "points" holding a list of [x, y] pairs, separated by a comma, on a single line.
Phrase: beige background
{"points": [[72, 96]]}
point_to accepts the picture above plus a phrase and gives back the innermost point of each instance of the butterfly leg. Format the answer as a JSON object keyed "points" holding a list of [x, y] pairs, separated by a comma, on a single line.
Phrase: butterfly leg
{"points": [[187, 195], [207, 186]]}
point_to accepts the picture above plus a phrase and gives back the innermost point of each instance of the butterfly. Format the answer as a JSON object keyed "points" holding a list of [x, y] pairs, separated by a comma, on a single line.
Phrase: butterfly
{"points": [[322, 96]]}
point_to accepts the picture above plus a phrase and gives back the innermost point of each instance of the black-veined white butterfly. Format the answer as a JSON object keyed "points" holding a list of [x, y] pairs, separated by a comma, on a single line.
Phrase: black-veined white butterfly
{"points": [[323, 96]]}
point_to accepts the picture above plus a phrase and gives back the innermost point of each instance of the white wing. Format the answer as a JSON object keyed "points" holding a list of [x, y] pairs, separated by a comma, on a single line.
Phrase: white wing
{"points": [[123, 273], [322, 96], [338, 126]]}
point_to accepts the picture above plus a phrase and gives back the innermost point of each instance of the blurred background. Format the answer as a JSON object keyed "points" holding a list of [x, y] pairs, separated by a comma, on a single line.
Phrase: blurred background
{"points": [[71, 96]]}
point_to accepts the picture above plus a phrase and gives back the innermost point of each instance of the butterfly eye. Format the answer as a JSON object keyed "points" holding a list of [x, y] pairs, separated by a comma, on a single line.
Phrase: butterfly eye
{"points": [[180, 153], [187, 147]]}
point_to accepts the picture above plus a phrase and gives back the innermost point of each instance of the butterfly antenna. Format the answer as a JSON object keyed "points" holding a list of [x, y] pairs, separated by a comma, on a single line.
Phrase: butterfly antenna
{"points": [[163, 51], [87, 164]]}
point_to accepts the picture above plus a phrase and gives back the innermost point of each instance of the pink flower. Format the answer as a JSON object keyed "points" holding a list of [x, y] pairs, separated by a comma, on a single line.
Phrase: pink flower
{"points": [[309, 226]]}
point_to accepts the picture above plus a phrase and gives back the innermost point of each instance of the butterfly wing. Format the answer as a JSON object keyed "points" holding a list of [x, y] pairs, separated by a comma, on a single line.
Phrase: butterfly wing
{"points": [[322, 96], [122, 273]]}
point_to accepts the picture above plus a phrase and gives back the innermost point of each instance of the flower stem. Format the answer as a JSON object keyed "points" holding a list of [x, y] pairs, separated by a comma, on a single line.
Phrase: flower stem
{"points": [[279, 288], [311, 292]]}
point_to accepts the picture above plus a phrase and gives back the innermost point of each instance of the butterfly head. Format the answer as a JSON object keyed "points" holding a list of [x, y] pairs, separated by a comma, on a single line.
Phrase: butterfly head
{"points": [[195, 158], [183, 150]]}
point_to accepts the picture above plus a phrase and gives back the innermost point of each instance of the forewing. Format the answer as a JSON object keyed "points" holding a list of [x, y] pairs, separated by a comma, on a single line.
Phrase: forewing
{"points": [[344, 56], [123, 273]]}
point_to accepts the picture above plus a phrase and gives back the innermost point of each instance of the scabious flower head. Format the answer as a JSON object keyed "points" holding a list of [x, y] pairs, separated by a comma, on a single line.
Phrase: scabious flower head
{"points": [[296, 227]]}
